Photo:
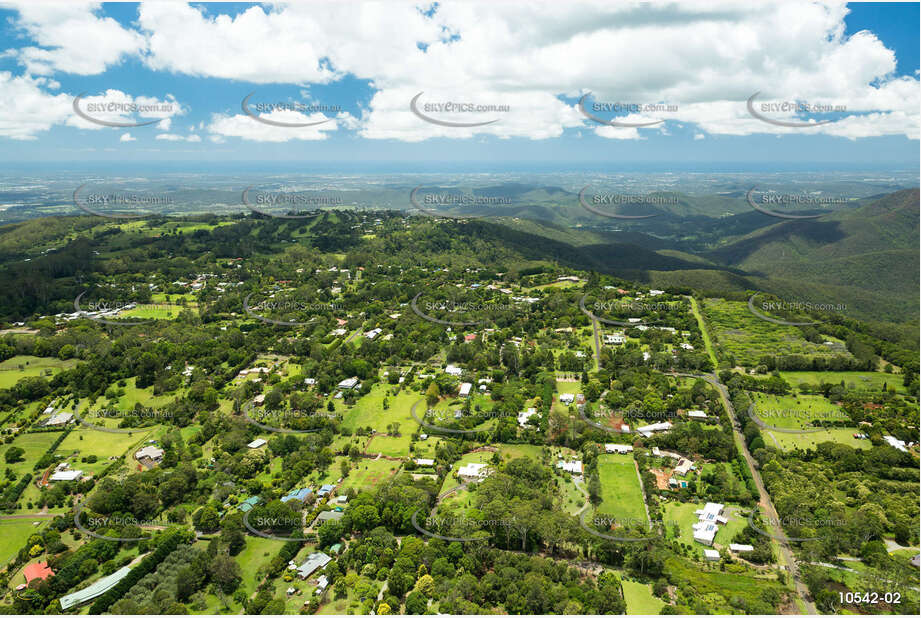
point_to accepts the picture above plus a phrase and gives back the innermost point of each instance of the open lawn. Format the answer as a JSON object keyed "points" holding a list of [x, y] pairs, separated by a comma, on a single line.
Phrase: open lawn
{"points": [[639, 598], [790, 441], [14, 369], [34, 445], [369, 410], [795, 412], [855, 380], [367, 473], [85, 441], [13, 535], [621, 494], [392, 446]]}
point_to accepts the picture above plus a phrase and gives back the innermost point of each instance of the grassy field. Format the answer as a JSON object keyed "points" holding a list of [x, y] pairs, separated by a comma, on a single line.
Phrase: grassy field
{"points": [[790, 441], [684, 516], [621, 494], [13, 535], [795, 412], [854, 380], [367, 474], [103, 445], [34, 445], [392, 446], [14, 369], [748, 338], [639, 599]]}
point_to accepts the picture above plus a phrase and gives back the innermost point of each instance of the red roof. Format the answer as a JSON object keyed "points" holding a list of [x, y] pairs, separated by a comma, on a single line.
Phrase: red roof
{"points": [[37, 570]]}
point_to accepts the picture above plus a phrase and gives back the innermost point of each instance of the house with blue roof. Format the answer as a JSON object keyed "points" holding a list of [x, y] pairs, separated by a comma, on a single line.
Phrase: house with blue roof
{"points": [[297, 494], [248, 504]]}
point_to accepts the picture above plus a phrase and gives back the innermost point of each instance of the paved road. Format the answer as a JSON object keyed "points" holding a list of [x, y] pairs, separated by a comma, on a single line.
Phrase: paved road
{"points": [[764, 497]]}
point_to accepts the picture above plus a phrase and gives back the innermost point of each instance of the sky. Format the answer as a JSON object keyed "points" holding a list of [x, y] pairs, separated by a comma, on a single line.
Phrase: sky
{"points": [[351, 70]]}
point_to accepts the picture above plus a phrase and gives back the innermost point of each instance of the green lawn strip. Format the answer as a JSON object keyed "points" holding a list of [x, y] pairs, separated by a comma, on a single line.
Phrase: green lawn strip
{"points": [[621, 494], [639, 598]]}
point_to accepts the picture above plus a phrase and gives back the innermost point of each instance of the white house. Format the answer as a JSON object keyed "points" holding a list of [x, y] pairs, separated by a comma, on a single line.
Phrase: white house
{"points": [[567, 398], [890, 440], [711, 554], [697, 414], [371, 334], [648, 430], [615, 339], [66, 475], [349, 383], [524, 416], [61, 418], [473, 472], [465, 389], [452, 370], [708, 519], [424, 462], [736, 547], [150, 452], [618, 448], [257, 443], [573, 467]]}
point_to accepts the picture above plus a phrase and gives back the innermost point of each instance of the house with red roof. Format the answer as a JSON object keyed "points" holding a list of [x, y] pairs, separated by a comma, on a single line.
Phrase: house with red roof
{"points": [[37, 570]]}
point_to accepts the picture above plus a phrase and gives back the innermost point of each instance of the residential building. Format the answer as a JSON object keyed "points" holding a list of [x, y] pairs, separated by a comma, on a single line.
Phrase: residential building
{"points": [[524, 416], [315, 561], [451, 370], [711, 554], [257, 443], [697, 414], [736, 547], [618, 448], [349, 383], [94, 590], [149, 452], [465, 389], [473, 472], [573, 467]]}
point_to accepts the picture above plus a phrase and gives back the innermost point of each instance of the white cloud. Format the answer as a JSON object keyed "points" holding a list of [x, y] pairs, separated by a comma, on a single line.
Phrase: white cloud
{"points": [[126, 137], [71, 38], [248, 128], [121, 107], [707, 59], [699, 136], [26, 109], [173, 137]]}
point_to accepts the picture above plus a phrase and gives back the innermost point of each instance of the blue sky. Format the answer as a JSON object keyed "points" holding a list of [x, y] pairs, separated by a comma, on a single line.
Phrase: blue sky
{"points": [[537, 60]]}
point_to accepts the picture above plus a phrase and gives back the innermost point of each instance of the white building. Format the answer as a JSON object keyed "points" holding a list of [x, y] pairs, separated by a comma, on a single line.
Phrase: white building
{"points": [[648, 430], [697, 414], [451, 370], [567, 398], [424, 462], [736, 547], [573, 467], [472, 472], [257, 443], [708, 519], [371, 334], [618, 448], [150, 452], [615, 339], [66, 475], [890, 440], [349, 383], [711, 554], [465, 389], [61, 418], [524, 416]]}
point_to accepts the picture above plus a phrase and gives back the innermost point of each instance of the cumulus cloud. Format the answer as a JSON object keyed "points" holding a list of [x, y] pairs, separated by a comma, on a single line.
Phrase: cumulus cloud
{"points": [[248, 128], [126, 137], [27, 109], [70, 37], [705, 60]]}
